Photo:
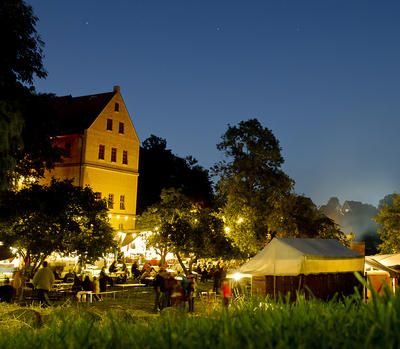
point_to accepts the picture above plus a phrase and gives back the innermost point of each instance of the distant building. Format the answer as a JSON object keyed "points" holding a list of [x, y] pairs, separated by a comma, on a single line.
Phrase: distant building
{"points": [[102, 151]]}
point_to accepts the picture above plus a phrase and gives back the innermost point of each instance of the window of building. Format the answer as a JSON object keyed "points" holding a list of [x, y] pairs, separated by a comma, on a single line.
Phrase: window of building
{"points": [[113, 154], [125, 157], [97, 196], [68, 147], [121, 128], [122, 202], [109, 124], [120, 226], [116, 107], [110, 202], [102, 150]]}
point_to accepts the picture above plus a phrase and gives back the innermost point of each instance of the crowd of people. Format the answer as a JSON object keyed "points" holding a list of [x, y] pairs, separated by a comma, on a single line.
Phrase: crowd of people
{"points": [[171, 288]]}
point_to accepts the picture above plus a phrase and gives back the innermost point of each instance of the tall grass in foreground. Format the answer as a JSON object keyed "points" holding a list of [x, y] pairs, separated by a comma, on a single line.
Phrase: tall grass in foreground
{"points": [[257, 323]]}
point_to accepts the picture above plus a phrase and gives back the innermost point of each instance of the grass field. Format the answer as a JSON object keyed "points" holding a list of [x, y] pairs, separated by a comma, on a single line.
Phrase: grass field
{"points": [[255, 323]]}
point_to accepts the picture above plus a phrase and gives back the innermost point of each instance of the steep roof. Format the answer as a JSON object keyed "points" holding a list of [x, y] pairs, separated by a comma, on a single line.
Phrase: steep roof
{"points": [[76, 114], [320, 247]]}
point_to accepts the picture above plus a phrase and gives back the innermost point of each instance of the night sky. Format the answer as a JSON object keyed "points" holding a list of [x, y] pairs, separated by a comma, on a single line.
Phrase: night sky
{"points": [[323, 75]]}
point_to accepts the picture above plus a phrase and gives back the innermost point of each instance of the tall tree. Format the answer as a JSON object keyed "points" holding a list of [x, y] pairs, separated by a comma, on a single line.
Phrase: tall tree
{"points": [[389, 225], [22, 54], [333, 210], [159, 169], [251, 181], [39, 151], [20, 61], [39, 220]]}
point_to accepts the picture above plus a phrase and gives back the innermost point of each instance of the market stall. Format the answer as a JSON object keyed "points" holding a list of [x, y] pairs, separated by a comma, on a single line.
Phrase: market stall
{"points": [[318, 267]]}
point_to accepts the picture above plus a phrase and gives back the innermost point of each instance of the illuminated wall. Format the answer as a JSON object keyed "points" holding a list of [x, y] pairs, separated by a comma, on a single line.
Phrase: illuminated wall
{"points": [[106, 157]]}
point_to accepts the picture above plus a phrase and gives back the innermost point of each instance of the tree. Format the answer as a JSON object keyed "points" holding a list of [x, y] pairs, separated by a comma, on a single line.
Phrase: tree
{"points": [[39, 220], [160, 169], [22, 54], [251, 182], [11, 124], [20, 61], [297, 216], [333, 210], [389, 225], [39, 151], [183, 227]]}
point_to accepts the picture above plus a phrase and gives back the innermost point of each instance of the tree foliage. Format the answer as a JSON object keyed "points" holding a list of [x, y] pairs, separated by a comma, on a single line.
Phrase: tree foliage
{"points": [[160, 169], [39, 151], [184, 228], [251, 181], [61, 217], [11, 125], [297, 216], [21, 57], [20, 61], [389, 225]]}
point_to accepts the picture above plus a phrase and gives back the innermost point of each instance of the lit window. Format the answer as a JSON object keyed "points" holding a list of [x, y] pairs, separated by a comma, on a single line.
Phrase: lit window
{"points": [[113, 154], [116, 107], [125, 157], [109, 124], [121, 128], [102, 149], [122, 202], [97, 196], [68, 147], [110, 202]]}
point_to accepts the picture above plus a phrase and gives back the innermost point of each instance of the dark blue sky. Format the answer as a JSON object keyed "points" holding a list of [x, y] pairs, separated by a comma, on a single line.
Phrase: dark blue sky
{"points": [[322, 75]]}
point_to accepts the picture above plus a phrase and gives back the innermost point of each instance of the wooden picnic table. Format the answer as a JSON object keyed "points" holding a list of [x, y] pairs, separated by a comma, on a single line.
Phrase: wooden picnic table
{"points": [[123, 286], [62, 286], [90, 294]]}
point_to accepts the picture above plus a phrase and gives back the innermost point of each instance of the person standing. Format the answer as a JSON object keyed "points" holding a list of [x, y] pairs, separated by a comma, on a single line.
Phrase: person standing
{"points": [[226, 292], [217, 275], [43, 280], [192, 292], [17, 284], [103, 279]]}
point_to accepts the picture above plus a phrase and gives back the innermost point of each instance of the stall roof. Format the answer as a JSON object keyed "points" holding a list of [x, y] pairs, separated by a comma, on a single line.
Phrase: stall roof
{"points": [[290, 256], [370, 262], [389, 260]]}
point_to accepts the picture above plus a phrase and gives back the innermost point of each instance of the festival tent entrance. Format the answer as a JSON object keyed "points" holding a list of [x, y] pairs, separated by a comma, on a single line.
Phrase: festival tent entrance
{"points": [[318, 267]]}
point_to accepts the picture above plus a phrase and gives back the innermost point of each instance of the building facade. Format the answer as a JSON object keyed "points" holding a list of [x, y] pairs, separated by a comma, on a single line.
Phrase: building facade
{"points": [[102, 151]]}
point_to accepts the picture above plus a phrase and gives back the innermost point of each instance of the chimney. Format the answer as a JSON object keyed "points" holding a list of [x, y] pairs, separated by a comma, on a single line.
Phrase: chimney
{"points": [[117, 89]]}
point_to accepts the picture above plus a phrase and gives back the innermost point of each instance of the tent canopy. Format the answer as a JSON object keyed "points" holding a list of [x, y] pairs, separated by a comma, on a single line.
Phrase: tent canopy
{"points": [[388, 260], [289, 256]]}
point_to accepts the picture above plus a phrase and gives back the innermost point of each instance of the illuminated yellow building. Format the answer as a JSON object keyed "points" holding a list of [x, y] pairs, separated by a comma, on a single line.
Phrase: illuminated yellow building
{"points": [[102, 151]]}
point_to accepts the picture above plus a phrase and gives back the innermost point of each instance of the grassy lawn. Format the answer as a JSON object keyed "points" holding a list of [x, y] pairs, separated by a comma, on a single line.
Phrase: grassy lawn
{"points": [[129, 322]]}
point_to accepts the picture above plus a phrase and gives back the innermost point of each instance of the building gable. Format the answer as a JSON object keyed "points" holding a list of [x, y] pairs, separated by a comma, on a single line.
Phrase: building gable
{"points": [[115, 114]]}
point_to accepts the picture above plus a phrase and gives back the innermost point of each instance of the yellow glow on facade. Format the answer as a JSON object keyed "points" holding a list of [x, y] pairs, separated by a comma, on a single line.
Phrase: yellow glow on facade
{"points": [[90, 161]]}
